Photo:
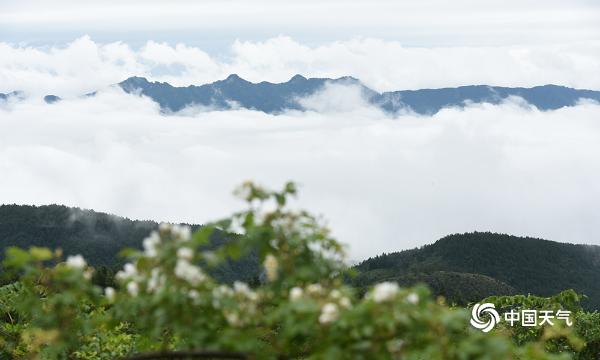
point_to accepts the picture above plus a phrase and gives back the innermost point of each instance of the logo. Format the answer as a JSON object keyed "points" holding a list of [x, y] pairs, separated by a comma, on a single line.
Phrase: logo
{"points": [[479, 312]]}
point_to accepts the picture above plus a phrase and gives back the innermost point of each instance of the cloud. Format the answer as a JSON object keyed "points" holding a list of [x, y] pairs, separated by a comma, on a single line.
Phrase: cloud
{"points": [[384, 184], [85, 65], [424, 22], [336, 98]]}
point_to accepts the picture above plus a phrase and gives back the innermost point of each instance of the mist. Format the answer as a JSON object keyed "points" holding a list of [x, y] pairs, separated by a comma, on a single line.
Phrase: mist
{"points": [[382, 183], [84, 65]]}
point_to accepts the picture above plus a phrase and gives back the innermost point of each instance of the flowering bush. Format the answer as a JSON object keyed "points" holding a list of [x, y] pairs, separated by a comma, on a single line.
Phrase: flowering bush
{"points": [[167, 305]]}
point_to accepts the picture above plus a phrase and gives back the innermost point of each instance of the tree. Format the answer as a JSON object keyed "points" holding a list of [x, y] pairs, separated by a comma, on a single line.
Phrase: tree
{"points": [[167, 306]]}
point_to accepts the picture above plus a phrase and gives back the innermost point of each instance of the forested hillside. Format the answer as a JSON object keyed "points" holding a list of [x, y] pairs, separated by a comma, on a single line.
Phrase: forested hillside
{"points": [[461, 267], [99, 237], [529, 265]]}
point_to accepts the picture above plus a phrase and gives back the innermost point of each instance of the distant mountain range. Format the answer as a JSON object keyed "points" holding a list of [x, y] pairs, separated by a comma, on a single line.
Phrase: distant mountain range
{"points": [[275, 98], [462, 267], [14, 94]]}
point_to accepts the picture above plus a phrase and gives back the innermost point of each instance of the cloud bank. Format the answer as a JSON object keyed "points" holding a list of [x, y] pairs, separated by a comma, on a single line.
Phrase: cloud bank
{"points": [[84, 65], [213, 22], [384, 184]]}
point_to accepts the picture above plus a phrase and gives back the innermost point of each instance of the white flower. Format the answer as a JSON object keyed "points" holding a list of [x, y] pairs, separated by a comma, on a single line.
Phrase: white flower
{"points": [[185, 253], [188, 272], [130, 269], [232, 318], [182, 232], [296, 293], [412, 298], [150, 243], [76, 262], [385, 291], [129, 272], [335, 294], [132, 288], [241, 287], [193, 294], [222, 291], [271, 266], [345, 302], [314, 289], [156, 281], [329, 313], [110, 294], [88, 274], [164, 227]]}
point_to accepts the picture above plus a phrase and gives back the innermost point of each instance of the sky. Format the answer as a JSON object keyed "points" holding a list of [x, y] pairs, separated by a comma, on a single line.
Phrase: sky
{"points": [[214, 24], [383, 183]]}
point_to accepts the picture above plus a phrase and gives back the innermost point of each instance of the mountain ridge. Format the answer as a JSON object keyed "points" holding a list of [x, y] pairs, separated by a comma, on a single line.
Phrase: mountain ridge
{"points": [[462, 267], [276, 98], [529, 265]]}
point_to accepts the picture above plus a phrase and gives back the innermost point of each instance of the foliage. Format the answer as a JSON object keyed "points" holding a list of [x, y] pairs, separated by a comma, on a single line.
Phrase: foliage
{"points": [[301, 306], [586, 324], [530, 266], [456, 288], [97, 236]]}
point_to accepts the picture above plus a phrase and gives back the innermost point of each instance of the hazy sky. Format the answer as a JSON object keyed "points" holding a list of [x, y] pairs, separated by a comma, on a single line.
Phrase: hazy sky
{"points": [[384, 183], [214, 24]]}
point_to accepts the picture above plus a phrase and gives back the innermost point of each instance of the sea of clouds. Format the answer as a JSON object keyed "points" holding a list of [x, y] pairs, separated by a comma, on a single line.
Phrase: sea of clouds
{"points": [[382, 183], [84, 65]]}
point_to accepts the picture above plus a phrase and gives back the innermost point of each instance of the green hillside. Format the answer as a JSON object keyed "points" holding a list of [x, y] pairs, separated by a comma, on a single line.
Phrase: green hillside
{"points": [[99, 237], [462, 267], [528, 265]]}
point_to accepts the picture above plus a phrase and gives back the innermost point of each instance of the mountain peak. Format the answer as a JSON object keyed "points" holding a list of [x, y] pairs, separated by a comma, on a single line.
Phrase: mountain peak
{"points": [[134, 82], [51, 99], [297, 78], [235, 78], [277, 97], [136, 79]]}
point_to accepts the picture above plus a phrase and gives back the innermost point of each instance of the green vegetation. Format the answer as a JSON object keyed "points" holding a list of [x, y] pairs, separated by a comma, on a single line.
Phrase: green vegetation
{"points": [[98, 237], [528, 265], [462, 267], [166, 304]]}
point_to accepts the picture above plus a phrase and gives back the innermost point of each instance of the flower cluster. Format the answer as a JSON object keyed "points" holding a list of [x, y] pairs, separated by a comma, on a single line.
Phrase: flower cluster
{"points": [[271, 267], [331, 300], [189, 272], [238, 303], [77, 262], [389, 291], [155, 247]]}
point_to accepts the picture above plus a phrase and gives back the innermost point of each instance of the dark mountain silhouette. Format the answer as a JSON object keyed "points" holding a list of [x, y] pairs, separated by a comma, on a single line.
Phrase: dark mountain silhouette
{"points": [[16, 94], [462, 267], [274, 98], [51, 99], [99, 237], [235, 92], [528, 265]]}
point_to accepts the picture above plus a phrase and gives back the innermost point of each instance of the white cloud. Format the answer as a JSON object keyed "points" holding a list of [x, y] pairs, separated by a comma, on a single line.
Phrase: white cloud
{"points": [[423, 22], [384, 184], [84, 65], [336, 98]]}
